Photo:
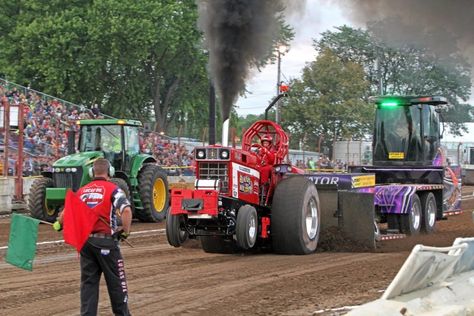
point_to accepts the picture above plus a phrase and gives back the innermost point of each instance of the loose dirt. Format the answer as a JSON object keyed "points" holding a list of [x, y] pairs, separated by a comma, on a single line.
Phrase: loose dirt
{"points": [[186, 281]]}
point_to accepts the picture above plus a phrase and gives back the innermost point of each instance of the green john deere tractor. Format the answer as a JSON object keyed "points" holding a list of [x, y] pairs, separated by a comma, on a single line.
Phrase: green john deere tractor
{"points": [[137, 174]]}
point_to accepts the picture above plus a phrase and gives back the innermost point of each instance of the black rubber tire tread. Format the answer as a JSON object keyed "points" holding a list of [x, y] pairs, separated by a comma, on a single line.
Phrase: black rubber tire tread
{"points": [[147, 176], [287, 222], [425, 198], [122, 184], [244, 215], [37, 198], [217, 244], [175, 235], [406, 225]]}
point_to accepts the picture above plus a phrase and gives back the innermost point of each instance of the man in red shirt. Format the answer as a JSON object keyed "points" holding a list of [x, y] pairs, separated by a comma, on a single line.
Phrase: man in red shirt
{"points": [[267, 156], [101, 253]]}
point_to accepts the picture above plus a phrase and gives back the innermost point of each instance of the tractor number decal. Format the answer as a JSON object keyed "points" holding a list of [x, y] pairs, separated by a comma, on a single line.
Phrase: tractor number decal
{"points": [[240, 172], [363, 181], [396, 155], [245, 184]]}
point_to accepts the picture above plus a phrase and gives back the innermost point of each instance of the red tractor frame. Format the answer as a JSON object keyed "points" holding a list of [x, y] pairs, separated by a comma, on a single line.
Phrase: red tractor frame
{"points": [[243, 201]]}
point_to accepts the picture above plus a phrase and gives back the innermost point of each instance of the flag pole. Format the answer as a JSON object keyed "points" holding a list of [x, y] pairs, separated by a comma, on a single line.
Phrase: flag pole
{"points": [[124, 240], [44, 222]]}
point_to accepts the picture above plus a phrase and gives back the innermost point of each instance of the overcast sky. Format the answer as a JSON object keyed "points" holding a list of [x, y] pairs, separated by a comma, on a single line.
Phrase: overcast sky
{"points": [[308, 25], [318, 17]]}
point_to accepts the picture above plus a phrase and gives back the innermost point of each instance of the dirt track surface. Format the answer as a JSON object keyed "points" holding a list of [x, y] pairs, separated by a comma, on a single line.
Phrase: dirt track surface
{"points": [[186, 281]]}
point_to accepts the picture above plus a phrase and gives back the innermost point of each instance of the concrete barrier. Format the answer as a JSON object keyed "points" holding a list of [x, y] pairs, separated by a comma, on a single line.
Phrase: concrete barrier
{"points": [[7, 190], [433, 281]]}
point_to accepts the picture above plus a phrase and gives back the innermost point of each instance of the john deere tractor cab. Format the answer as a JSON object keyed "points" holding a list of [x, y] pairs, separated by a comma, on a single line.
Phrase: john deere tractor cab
{"points": [[116, 140], [406, 130]]}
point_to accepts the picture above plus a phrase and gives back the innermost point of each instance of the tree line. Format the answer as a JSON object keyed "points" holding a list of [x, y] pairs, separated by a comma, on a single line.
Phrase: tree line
{"points": [[331, 99], [146, 60]]}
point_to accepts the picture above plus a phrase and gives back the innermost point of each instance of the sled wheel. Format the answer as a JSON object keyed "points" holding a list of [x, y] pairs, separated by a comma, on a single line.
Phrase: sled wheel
{"points": [[428, 220], [247, 227], [410, 223], [295, 221]]}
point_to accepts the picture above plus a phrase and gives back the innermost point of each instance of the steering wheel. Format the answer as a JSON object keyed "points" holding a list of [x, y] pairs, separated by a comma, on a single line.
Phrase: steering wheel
{"points": [[262, 151]]}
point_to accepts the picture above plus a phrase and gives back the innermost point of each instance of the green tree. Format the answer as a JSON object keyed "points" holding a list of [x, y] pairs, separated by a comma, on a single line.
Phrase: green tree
{"points": [[140, 59], [137, 59], [331, 100]]}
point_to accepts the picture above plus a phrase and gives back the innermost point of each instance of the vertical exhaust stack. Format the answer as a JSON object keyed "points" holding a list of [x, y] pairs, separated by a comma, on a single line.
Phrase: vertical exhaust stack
{"points": [[239, 34], [225, 133]]}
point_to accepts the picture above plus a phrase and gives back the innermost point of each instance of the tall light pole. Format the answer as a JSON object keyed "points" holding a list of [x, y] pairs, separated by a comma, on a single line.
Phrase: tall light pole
{"points": [[281, 50]]}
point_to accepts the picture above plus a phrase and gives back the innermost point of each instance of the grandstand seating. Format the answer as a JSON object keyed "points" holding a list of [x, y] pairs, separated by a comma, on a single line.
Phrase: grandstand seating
{"points": [[47, 120]]}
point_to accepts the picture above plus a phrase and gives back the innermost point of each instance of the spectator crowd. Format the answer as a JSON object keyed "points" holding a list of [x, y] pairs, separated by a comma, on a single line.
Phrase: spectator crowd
{"points": [[322, 164], [47, 121]]}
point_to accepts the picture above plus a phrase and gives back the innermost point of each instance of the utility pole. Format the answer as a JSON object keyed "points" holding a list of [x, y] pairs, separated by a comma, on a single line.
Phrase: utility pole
{"points": [[281, 50], [277, 106]]}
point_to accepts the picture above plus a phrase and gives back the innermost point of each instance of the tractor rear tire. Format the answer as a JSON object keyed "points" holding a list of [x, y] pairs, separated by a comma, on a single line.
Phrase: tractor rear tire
{"points": [[154, 194], [174, 233], [247, 227], [217, 244], [429, 209], [295, 221], [37, 201], [410, 223]]}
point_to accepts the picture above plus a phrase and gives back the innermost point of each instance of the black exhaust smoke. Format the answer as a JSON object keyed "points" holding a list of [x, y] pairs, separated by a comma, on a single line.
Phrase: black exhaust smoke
{"points": [[448, 23], [238, 35]]}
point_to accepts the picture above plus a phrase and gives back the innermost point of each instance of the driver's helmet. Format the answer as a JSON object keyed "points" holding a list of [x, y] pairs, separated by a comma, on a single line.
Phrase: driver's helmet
{"points": [[266, 138]]}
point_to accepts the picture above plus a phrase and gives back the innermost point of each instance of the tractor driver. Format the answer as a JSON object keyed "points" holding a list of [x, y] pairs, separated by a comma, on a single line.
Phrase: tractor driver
{"points": [[267, 152], [267, 156]]}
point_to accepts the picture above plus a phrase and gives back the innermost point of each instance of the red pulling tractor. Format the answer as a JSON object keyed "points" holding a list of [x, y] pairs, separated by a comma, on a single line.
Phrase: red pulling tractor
{"points": [[246, 198]]}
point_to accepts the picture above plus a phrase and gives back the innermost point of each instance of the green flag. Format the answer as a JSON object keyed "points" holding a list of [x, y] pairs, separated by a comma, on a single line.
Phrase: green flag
{"points": [[22, 243]]}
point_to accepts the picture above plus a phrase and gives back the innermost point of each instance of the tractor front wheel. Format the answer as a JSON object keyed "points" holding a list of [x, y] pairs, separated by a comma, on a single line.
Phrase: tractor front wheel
{"points": [[153, 188], [295, 221], [175, 233], [247, 227], [122, 184], [37, 204]]}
